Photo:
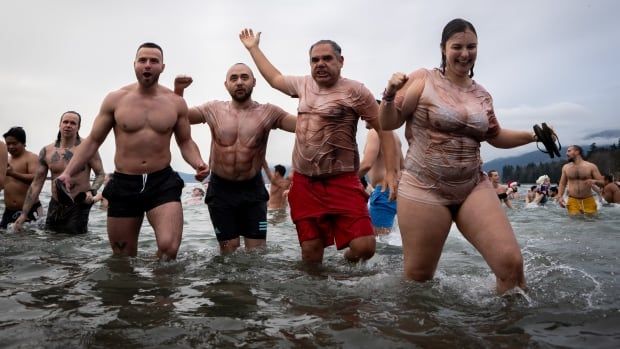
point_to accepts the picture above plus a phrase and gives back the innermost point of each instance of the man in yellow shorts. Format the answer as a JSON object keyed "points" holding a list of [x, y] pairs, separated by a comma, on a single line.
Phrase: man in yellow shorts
{"points": [[580, 175]]}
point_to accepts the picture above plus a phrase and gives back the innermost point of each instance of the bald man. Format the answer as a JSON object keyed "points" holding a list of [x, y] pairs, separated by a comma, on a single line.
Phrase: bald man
{"points": [[236, 196]]}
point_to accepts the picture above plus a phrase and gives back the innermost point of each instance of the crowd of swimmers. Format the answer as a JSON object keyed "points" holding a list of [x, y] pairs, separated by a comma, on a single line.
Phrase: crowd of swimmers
{"points": [[439, 180]]}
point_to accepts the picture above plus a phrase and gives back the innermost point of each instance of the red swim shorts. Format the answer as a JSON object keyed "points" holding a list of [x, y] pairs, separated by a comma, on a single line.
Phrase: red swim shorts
{"points": [[333, 209]]}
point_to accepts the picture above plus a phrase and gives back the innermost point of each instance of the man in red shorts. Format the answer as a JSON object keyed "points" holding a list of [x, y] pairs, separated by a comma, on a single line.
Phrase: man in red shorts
{"points": [[328, 202]]}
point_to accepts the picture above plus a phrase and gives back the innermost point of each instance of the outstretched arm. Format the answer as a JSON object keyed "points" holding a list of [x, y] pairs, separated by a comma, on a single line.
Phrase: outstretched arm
{"points": [[267, 70], [511, 138], [104, 122]]}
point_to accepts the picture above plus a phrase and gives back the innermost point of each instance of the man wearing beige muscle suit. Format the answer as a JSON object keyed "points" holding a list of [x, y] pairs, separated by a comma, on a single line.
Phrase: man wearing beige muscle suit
{"points": [[236, 196], [144, 116], [580, 175], [327, 200]]}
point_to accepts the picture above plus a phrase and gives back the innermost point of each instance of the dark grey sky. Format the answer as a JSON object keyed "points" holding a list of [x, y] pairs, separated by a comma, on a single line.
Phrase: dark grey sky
{"points": [[553, 61]]}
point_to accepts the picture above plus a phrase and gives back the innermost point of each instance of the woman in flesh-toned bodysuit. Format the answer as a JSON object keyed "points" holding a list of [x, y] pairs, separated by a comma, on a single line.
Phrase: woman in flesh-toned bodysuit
{"points": [[447, 116]]}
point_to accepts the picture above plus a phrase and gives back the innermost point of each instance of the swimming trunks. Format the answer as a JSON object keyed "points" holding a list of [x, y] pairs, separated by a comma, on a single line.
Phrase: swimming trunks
{"points": [[10, 216], [133, 195], [577, 206], [238, 208], [381, 209], [332, 209], [69, 219]]}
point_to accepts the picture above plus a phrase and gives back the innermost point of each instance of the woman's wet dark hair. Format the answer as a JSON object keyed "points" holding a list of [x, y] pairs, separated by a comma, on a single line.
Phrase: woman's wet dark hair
{"points": [[457, 25]]}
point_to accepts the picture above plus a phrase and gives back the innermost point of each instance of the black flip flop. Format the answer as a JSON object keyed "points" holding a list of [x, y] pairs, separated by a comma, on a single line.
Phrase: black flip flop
{"points": [[545, 135], [63, 194], [553, 137]]}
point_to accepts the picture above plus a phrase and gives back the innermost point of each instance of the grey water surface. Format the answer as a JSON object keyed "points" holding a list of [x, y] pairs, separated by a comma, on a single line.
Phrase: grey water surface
{"points": [[60, 291]]}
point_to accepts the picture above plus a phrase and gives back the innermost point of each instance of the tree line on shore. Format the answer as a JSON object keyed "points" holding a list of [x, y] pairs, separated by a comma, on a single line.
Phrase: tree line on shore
{"points": [[606, 158]]}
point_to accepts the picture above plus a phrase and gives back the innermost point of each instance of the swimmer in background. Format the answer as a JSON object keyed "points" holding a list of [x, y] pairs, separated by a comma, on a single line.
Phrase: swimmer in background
{"points": [[500, 189]]}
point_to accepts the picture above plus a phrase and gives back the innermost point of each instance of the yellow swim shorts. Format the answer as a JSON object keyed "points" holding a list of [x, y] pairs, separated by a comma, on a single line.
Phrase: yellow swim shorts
{"points": [[576, 206]]}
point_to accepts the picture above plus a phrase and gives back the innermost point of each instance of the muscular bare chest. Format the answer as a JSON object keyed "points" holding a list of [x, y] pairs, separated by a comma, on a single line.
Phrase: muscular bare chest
{"points": [[243, 128], [578, 173], [157, 113]]}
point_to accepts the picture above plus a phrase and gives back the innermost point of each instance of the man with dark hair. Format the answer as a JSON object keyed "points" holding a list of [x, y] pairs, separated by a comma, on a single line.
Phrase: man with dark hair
{"points": [[19, 174], [278, 187], [63, 217], [144, 116], [236, 196], [611, 191], [579, 175], [500, 189], [328, 202]]}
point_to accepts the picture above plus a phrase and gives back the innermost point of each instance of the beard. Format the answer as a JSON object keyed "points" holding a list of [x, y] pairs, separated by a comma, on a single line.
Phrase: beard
{"points": [[147, 82], [240, 98]]}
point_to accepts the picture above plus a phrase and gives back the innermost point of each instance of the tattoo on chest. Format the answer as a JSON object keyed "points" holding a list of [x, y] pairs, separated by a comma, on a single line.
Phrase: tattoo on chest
{"points": [[68, 155], [55, 157]]}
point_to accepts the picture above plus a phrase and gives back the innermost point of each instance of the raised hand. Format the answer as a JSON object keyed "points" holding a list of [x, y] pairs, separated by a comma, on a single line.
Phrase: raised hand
{"points": [[396, 82], [181, 82], [248, 38]]}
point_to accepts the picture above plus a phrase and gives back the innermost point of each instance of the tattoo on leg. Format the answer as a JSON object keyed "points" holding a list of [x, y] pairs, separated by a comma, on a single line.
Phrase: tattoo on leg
{"points": [[120, 244]]}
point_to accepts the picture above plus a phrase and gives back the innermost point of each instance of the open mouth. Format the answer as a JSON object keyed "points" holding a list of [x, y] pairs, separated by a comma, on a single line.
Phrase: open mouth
{"points": [[147, 75]]}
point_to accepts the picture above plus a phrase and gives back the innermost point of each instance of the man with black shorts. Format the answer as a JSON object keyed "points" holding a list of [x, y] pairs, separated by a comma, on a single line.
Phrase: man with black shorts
{"points": [[144, 116], [236, 196], [65, 217], [327, 200]]}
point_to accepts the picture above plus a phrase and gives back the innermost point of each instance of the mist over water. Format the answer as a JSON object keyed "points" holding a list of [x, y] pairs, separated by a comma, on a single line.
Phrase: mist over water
{"points": [[69, 291]]}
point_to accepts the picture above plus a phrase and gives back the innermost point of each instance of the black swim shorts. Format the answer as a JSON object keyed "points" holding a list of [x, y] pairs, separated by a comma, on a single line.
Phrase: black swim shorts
{"points": [[133, 195], [71, 219], [10, 216], [238, 208]]}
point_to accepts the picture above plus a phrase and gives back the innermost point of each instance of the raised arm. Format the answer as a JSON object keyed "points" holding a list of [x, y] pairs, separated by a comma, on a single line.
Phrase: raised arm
{"points": [[267, 70], [181, 82], [390, 116], [289, 123], [32, 195]]}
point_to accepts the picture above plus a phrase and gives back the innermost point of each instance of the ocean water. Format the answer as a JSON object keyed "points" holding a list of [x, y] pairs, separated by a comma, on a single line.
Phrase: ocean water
{"points": [[59, 291]]}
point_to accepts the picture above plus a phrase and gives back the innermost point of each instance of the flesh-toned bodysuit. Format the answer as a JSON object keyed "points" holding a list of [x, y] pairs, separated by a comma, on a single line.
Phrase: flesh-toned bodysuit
{"points": [[443, 164]]}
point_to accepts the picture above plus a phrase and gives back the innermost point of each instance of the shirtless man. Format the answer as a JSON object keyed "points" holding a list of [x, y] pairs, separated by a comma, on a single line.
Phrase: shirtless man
{"points": [[611, 191], [63, 217], [327, 200], [19, 174], [279, 186], [4, 158], [580, 175], [500, 189], [144, 116], [236, 196], [382, 210]]}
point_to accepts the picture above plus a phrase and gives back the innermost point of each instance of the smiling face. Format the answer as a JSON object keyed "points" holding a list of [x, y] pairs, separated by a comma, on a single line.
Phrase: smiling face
{"points": [[460, 52], [148, 65], [240, 82], [14, 146], [325, 65]]}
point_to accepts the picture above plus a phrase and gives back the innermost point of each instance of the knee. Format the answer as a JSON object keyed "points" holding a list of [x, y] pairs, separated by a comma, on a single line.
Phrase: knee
{"points": [[512, 267], [362, 248], [312, 253], [168, 249], [229, 246], [418, 275]]}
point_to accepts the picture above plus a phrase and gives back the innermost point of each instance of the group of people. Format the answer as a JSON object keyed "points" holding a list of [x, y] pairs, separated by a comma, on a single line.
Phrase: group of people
{"points": [[446, 115]]}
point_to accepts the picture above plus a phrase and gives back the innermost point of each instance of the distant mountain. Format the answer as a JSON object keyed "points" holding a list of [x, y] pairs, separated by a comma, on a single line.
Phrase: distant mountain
{"points": [[605, 134], [188, 177], [521, 160]]}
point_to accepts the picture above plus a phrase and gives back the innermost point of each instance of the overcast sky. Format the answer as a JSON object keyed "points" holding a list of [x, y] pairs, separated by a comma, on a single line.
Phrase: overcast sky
{"points": [[554, 61]]}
